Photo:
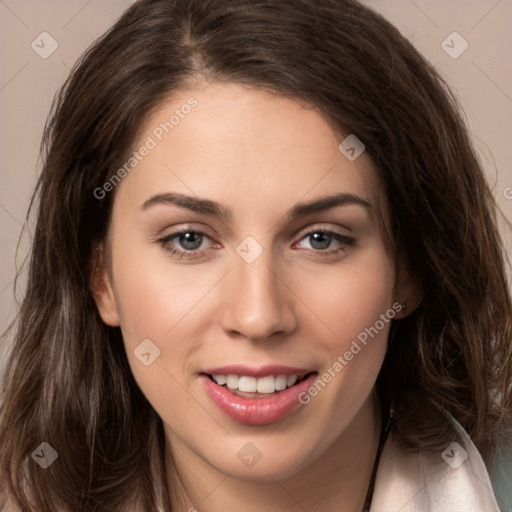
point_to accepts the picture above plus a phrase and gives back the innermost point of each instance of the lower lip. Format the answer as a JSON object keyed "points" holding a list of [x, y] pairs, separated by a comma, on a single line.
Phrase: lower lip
{"points": [[257, 411]]}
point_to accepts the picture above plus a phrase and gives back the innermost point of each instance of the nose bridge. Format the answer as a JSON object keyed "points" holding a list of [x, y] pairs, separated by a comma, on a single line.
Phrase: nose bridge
{"points": [[258, 304]]}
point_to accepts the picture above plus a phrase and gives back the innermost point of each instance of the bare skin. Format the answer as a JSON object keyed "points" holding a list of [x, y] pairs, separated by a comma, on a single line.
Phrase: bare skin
{"points": [[297, 304]]}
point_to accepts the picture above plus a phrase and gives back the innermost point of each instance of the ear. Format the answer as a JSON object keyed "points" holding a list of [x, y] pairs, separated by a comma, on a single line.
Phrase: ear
{"points": [[407, 292], [101, 287]]}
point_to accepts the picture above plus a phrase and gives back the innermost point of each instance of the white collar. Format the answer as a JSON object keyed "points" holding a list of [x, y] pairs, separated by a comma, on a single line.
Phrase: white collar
{"points": [[443, 481]]}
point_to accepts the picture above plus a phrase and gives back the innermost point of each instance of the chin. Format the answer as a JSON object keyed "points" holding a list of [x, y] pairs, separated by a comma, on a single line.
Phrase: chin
{"points": [[262, 460]]}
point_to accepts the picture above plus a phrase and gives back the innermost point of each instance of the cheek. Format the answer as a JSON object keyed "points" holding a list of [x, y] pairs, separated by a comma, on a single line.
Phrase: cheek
{"points": [[167, 309], [156, 297], [353, 306], [163, 302], [160, 302], [349, 299]]}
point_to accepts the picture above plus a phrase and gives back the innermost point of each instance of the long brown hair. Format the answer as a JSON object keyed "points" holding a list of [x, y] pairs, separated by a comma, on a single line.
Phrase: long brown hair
{"points": [[68, 381]]}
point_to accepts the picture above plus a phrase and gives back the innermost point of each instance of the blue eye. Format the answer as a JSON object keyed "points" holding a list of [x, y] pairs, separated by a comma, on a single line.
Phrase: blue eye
{"points": [[188, 243], [321, 239], [190, 240]]}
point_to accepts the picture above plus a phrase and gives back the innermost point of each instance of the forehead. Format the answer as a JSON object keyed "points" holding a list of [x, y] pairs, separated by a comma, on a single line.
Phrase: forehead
{"points": [[243, 147]]}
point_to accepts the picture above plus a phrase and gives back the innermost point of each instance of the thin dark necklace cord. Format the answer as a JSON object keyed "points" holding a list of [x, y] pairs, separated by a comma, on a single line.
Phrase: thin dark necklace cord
{"points": [[383, 436]]}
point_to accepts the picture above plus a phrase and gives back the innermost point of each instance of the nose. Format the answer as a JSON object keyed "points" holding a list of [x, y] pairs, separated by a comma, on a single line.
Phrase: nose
{"points": [[258, 301]]}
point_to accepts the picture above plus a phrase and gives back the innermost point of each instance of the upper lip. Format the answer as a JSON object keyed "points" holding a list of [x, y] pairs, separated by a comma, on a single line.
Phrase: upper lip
{"points": [[262, 371]]}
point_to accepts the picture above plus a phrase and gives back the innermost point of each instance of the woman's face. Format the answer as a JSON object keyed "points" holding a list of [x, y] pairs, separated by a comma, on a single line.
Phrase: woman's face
{"points": [[265, 279]]}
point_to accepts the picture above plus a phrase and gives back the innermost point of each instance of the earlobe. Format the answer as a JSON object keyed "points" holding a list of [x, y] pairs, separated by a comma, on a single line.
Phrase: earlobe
{"points": [[101, 288], [407, 293]]}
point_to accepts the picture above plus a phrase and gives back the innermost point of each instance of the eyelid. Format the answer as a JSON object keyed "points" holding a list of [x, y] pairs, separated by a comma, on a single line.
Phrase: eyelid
{"points": [[322, 228], [180, 231], [344, 241], [180, 227], [315, 228]]}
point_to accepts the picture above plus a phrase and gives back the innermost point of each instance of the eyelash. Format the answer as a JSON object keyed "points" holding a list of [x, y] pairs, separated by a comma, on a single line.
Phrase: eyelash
{"points": [[345, 242]]}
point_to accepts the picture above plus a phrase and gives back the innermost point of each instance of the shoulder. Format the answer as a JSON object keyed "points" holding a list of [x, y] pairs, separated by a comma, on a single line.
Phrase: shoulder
{"points": [[450, 480]]}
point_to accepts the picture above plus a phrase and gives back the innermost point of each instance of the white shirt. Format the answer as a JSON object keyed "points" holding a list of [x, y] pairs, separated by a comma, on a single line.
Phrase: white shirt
{"points": [[454, 480]]}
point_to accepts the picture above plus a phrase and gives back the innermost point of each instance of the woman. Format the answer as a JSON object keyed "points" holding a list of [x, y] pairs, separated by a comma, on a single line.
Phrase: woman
{"points": [[266, 275]]}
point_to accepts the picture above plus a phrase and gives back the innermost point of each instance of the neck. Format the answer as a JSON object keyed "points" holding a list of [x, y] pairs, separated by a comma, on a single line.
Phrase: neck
{"points": [[340, 475]]}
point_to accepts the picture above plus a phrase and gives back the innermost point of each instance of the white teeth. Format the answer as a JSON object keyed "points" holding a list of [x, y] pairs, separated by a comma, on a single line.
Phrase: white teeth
{"points": [[247, 384], [266, 384], [291, 380], [232, 382], [281, 382]]}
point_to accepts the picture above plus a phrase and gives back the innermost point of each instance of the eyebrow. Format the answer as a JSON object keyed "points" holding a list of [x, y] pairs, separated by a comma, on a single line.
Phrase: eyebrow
{"points": [[208, 207]]}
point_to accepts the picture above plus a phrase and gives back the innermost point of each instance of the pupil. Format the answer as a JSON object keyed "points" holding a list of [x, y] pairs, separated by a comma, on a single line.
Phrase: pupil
{"points": [[322, 239], [190, 241]]}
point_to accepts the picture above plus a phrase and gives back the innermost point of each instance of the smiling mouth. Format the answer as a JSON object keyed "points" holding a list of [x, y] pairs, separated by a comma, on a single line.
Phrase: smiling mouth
{"points": [[257, 396], [261, 387]]}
